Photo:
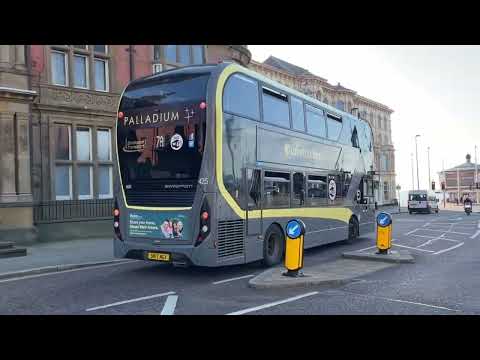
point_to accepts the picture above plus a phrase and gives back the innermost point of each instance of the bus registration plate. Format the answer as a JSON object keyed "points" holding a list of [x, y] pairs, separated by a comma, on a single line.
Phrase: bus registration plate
{"points": [[158, 256]]}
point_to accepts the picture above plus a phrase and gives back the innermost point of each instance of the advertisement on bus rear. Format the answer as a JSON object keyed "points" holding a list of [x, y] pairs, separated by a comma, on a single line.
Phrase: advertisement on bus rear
{"points": [[164, 225]]}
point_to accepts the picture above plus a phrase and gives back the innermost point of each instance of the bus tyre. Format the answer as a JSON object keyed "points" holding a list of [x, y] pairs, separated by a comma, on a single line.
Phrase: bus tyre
{"points": [[273, 246], [353, 230]]}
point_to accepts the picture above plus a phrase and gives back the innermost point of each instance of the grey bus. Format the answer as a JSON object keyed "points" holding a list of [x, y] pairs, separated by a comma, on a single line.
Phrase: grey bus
{"points": [[213, 160]]}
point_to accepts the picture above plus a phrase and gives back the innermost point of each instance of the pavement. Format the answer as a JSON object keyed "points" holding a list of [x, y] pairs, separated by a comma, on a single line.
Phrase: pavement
{"points": [[443, 280], [337, 272], [58, 256]]}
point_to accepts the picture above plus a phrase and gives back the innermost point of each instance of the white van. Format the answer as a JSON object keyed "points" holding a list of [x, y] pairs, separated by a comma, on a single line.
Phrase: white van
{"points": [[422, 201]]}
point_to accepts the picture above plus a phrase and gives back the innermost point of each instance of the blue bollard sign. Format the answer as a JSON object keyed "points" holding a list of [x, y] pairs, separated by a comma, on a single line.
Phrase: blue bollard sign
{"points": [[384, 219]]}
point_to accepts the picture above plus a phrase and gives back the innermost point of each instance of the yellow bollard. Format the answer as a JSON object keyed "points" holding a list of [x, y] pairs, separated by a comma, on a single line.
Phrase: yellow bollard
{"points": [[294, 246], [384, 232]]}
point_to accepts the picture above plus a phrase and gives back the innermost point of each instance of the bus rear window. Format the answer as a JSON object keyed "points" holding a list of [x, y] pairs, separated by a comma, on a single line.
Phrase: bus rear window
{"points": [[162, 133], [163, 91]]}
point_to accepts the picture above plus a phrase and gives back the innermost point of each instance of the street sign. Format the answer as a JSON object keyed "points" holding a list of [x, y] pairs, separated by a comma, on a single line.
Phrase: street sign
{"points": [[384, 219], [295, 228], [384, 232]]}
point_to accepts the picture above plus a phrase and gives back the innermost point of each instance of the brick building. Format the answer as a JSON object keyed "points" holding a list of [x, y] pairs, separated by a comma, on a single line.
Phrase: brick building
{"points": [[377, 114], [460, 181], [57, 109]]}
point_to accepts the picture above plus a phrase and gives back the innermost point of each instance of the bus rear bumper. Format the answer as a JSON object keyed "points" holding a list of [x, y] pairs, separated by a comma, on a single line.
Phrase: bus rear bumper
{"points": [[183, 255]]}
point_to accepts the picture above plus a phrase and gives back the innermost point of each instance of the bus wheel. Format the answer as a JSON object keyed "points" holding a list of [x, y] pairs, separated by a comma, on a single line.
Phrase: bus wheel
{"points": [[273, 246], [353, 230]]}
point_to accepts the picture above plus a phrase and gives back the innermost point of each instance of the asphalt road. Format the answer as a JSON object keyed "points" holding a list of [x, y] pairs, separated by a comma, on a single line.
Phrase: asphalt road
{"points": [[443, 280]]}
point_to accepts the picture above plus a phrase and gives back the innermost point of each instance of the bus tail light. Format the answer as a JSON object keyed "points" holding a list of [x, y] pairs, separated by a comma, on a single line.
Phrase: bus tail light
{"points": [[204, 223], [203, 105], [116, 221]]}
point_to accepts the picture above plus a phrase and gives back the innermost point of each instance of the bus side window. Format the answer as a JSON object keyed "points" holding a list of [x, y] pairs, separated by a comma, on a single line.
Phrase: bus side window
{"points": [[276, 189], [254, 188], [298, 190], [317, 190]]}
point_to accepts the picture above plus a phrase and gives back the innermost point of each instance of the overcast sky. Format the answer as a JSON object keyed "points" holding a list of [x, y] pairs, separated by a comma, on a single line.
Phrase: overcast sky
{"points": [[434, 91]]}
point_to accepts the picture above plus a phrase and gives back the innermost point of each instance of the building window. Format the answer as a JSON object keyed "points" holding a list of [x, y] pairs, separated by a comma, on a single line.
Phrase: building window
{"points": [[84, 144], [104, 157], [340, 105], [197, 52], [101, 49], [171, 56], [59, 68], [82, 60], [63, 165], [85, 182], [385, 190], [83, 174], [80, 69], [101, 75]]}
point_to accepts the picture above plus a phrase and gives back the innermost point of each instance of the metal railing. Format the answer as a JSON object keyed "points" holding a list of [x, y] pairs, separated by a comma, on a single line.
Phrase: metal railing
{"points": [[72, 210]]}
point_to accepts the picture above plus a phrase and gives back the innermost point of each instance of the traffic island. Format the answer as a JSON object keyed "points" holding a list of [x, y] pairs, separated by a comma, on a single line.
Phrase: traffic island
{"points": [[334, 273], [393, 256]]}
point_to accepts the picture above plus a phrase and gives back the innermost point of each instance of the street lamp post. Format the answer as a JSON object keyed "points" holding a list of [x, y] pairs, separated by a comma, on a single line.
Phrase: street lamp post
{"points": [[413, 178], [416, 154], [398, 189], [428, 155], [476, 176]]}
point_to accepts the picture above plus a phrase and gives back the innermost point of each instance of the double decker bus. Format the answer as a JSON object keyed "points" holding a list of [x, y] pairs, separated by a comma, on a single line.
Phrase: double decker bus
{"points": [[213, 160]]}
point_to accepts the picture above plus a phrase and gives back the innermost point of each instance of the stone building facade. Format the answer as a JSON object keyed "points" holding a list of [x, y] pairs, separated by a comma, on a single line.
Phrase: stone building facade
{"points": [[460, 181], [58, 105], [377, 114]]}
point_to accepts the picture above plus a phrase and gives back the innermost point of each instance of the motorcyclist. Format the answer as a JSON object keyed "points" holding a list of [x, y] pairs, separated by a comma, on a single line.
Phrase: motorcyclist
{"points": [[467, 205]]}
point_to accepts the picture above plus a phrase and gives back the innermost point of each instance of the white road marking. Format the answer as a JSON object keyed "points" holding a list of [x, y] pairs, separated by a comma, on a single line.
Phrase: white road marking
{"points": [[407, 220], [66, 271], [403, 301], [131, 300], [424, 236], [170, 304], [446, 231], [475, 235], [479, 224], [450, 248], [426, 224], [455, 219], [413, 248], [411, 232], [232, 279], [370, 247], [256, 308]]}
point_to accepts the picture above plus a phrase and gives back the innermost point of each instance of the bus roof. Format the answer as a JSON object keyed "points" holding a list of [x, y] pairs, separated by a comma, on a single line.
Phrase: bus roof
{"points": [[212, 67]]}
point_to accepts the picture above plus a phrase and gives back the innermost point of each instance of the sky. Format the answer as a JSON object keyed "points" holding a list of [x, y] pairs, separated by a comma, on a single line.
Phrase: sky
{"points": [[433, 90]]}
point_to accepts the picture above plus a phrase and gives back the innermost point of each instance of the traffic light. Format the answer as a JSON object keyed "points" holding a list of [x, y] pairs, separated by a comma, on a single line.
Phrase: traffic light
{"points": [[443, 185], [478, 185], [433, 185]]}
